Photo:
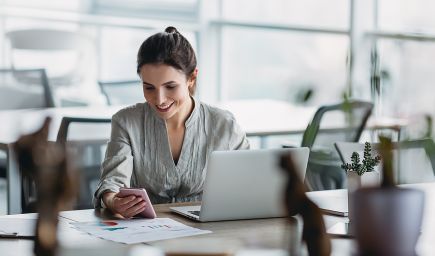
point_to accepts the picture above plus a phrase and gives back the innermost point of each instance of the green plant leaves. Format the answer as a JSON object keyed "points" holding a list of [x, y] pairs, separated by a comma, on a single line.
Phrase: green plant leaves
{"points": [[368, 163]]}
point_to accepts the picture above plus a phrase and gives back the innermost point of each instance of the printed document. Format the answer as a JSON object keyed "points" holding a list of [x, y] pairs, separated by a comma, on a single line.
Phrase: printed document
{"points": [[137, 230]]}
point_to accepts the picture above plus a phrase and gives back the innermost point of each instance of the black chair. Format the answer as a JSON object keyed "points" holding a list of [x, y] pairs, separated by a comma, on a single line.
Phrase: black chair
{"points": [[64, 133], [414, 160], [85, 140], [122, 92], [330, 124], [14, 178]]}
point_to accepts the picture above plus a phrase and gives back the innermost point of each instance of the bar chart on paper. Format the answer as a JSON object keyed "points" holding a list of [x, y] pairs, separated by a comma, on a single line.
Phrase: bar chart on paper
{"points": [[137, 230]]}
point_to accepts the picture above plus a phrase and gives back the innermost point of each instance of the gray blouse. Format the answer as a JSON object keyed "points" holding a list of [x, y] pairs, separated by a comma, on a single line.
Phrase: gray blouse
{"points": [[138, 153]]}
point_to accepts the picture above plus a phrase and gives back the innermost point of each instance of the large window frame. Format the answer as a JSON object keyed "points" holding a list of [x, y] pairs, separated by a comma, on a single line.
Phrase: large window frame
{"points": [[204, 17]]}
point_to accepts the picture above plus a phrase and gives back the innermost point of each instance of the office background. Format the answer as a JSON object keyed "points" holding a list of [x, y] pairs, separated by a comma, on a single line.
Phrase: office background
{"points": [[306, 53], [259, 49]]}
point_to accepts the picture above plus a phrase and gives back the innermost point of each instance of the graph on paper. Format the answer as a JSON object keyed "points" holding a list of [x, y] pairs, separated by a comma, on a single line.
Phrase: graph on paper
{"points": [[137, 230]]}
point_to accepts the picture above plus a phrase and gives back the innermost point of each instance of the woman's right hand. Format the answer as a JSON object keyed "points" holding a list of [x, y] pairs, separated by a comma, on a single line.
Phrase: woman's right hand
{"points": [[126, 206]]}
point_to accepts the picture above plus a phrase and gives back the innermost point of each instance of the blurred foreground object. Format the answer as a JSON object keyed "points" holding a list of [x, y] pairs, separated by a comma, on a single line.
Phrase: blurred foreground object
{"points": [[314, 231], [45, 163], [387, 219]]}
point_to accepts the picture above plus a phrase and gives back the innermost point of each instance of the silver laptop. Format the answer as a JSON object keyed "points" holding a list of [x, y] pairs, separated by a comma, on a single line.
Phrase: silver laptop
{"points": [[244, 184]]}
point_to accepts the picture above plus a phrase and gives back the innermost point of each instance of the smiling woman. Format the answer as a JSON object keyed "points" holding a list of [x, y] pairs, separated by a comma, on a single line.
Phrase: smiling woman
{"points": [[162, 145], [167, 91]]}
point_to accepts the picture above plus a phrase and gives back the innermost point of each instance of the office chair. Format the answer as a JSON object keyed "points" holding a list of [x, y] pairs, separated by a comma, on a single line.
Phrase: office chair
{"points": [[69, 58], [85, 140], [122, 92], [330, 124], [13, 179], [414, 160]]}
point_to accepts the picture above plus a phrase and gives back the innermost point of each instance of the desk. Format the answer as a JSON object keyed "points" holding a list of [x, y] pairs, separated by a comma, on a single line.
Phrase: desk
{"points": [[264, 233], [261, 233], [425, 245]]}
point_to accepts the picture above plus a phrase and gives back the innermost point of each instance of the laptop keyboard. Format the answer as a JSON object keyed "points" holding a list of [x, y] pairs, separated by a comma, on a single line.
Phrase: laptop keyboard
{"points": [[194, 213]]}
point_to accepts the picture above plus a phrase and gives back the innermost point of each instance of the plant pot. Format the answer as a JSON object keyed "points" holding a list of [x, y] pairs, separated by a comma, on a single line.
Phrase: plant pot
{"points": [[368, 179], [387, 221], [355, 182]]}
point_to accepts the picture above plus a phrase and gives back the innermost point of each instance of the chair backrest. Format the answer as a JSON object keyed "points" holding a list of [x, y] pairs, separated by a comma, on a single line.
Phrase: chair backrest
{"points": [[85, 154], [85, 140], [339, 122], [20, 89], [83, 128], [122, 92], [414, 161], [330, 124]]}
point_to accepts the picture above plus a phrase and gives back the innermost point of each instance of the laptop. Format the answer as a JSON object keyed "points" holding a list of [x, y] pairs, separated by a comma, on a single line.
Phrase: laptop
{"points": [[335, 202], [244, 184]]}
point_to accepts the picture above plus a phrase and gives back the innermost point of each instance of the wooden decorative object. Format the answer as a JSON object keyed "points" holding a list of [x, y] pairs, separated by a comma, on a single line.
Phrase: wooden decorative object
{"points": [[45, 163], [314, 230], [387, 220]]}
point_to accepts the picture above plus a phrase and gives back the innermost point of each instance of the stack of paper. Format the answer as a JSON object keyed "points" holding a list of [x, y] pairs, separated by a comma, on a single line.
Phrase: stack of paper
{"points": [[137, 230]]}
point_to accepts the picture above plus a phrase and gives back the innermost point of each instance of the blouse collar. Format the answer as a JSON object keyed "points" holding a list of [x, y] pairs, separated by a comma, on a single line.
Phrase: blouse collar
{"points": [[195, 112]]}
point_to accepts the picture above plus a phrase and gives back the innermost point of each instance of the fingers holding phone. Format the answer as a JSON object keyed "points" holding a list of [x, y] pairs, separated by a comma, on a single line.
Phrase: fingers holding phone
{"points": [[133, 201], [128, 206]]}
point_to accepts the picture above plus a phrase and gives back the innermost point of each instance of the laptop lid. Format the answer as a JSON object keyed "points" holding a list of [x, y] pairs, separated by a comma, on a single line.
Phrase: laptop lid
{"points": [[247, 184]]}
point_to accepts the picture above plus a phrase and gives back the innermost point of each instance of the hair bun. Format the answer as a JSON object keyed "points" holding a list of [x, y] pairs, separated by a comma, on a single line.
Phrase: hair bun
{"points": [[171, 30]]}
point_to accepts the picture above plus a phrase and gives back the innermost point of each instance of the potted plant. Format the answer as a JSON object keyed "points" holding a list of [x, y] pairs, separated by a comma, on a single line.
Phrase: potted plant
{"points": [[362, 174]]}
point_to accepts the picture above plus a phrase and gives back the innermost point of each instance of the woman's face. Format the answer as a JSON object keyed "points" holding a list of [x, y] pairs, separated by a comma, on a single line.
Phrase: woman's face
{"points": [[166, 90]]}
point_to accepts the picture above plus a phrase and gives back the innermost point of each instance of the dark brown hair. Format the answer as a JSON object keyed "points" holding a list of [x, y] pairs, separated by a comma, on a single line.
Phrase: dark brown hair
{"points": [[170, 48]]}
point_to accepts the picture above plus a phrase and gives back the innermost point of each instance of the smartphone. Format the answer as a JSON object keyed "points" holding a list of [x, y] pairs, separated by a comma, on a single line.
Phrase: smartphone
{"points": [[149, 210]]}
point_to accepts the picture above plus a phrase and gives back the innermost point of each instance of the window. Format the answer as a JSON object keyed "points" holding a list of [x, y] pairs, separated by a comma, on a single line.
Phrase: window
{"points": [[66, 5], [406, 49], [120, 64], [159, 9], [406, 15], [279, 49], [331, 13], [260, 63]]}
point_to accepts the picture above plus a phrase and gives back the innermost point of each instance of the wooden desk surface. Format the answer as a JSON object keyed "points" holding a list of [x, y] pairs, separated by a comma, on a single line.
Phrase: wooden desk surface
{"points": [[260, 233], [268, 232]]}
